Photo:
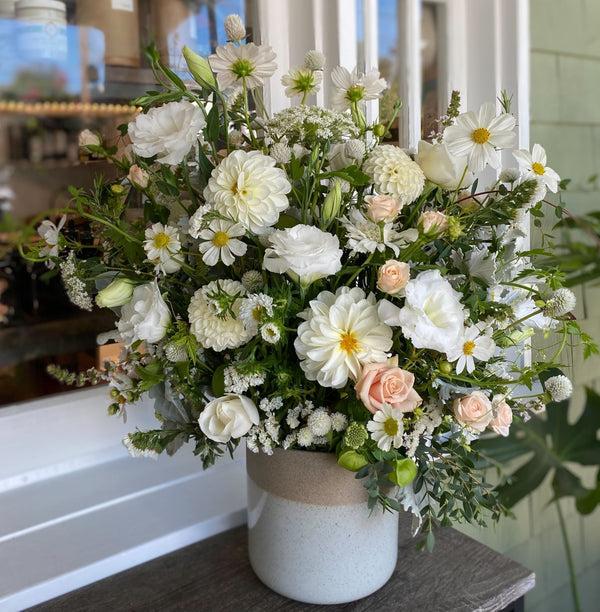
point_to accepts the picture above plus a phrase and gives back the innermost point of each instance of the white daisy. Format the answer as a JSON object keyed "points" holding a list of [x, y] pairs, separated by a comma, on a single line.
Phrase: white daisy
{"points": [[162, 246], [353, 87], [366, 236], [533, 166], [221, 242], [387, 428], [340, 333], [480, 135], [254, 309], [474, 344], [248, 64]]}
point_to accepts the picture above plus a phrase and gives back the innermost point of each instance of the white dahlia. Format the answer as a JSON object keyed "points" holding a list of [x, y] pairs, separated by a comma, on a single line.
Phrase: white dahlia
{"points": [[213, 328], [247, 187], [168, 131], [395, 173], [339, 335], [249, 63]]}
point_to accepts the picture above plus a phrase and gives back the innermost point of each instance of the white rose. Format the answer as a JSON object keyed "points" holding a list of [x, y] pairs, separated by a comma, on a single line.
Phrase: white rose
{"points": [[432, 316], [442, 168], [145, 317], [230, 416], [168, 131], [304, 252]]}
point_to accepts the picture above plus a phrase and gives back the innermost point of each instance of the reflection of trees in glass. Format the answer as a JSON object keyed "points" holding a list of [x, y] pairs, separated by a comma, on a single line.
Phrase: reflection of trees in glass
{"points": [[31, 84]]}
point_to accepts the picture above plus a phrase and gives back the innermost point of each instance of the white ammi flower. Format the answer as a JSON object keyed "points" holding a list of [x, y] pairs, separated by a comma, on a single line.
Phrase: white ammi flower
{"points": [[394, 173], [353, 87], [230, 416], [387, 428], [479, 135], [168, 131], [212, 328], [473, 344], [432, 316], [221, 242], [249, 188], [340, 333], [162, 246], [533, 166], [366, 236], [248, 64]]}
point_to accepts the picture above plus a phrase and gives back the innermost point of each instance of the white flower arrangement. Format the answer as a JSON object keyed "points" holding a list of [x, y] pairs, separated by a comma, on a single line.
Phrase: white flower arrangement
{"points": [[300, 256]]}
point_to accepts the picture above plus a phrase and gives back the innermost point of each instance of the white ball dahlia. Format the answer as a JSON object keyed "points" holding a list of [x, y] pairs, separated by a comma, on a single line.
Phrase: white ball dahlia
{"points": [[395, 173], [247, 187], [218, 331]]}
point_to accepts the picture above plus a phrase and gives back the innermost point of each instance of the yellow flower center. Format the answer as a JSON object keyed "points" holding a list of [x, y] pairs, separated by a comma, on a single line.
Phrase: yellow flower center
{"points": [[220, 239], [161, 240], [348, 342], [257, 313], [468, 347], [390, 426], [538, 168], [480, 135]]}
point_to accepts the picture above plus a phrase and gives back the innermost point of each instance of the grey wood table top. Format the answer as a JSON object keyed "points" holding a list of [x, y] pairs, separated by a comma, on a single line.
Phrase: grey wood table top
{"points": [[460, 575]]}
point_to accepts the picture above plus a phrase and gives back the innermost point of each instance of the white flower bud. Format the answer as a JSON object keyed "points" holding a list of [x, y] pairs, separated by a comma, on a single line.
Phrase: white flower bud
{"points": [[281, 153], [354, 149], [115, 294], [314, 60], [138, 177], [561, 302], [236, 138], [559, 387], [87, 138], [235, 28]]}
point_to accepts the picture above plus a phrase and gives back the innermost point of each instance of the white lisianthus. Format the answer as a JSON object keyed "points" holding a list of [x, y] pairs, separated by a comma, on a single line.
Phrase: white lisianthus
{"points": [[394, 173], [304, 252], [211, 327], [473, 344], [230, 416], [168, 131], [238, 64], [353, 87], [432, 316], [221, 242], [448, 171], [117, 293], [249, 188], [145, 317], [340, 333]]}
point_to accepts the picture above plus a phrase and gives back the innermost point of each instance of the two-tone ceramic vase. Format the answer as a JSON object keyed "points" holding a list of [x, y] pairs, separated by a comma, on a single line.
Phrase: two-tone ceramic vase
{"points": [[311, 536]]}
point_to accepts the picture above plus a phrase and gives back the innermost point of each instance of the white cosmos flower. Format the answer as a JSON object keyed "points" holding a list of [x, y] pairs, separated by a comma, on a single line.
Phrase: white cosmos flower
{"points": [[162, 246], [353, 87], [340, 333], [50, 233], [432, 316], [211, 327], [533, 166], [254, 309], [249, 63], [473, 344], [221, 242], [168, 131], [249, 188], [230, 416], [366, 236], [387, 428], [301, 82], [479, 135]]}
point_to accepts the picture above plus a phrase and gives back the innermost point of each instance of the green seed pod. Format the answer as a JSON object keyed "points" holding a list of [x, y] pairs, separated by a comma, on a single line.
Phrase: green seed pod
{"points": [[404, 472], [351, 460]]}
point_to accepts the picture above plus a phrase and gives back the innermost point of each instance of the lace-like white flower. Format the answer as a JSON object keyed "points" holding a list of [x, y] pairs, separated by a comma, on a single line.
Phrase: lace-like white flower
{"points": [[168, 131], [221, 242], [247, 187], [533, 166], [354, 87], [387, 428], [162, 246], [366, 236], [479, 135], [74, 286], [213, 329], [474, 344], [340, 333], [254, 309], [559, 387], [249, 63], [394, 173]]}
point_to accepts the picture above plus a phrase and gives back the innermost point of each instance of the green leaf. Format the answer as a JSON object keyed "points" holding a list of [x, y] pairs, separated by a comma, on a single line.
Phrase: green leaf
{"points": [[213, 123], [286, 221], [587, 502], [150, 375], [218, 381]]}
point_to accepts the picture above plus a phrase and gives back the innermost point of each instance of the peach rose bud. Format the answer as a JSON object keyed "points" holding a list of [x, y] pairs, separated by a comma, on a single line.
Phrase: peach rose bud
{"points": [[393, 276], [386, 383], [473, 411], [138, 177], [382, 208], [502, 416], [433, 222]]}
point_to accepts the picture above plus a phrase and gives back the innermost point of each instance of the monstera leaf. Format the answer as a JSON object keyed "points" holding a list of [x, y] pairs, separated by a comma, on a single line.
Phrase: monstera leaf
{"points": [[550, 444]]}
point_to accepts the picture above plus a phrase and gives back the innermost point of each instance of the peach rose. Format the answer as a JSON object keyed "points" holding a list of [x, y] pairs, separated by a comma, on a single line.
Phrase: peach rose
{"points": [[138, 177], [433, 221], [382, 208], [393, 276], [474, 410], [386, 383], [502, 416]]}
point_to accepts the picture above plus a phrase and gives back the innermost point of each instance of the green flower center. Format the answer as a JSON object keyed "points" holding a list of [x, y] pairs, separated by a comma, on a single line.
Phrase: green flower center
{"points": [[355, 93], [304, 81], [242, 68]]}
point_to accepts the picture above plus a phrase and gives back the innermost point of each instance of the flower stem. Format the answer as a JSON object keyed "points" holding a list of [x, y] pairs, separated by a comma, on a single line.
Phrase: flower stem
{"points": [[569, 555]]}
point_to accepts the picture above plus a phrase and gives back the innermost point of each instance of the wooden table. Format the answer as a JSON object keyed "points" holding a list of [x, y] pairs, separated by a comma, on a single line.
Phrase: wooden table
{"points": [[214, 575]]}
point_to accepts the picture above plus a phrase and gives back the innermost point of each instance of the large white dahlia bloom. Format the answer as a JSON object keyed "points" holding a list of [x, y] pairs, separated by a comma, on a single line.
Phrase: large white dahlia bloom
{"points": [[248, 188], [214, 329], [341, 332], [394, 173], [168, 131]]}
